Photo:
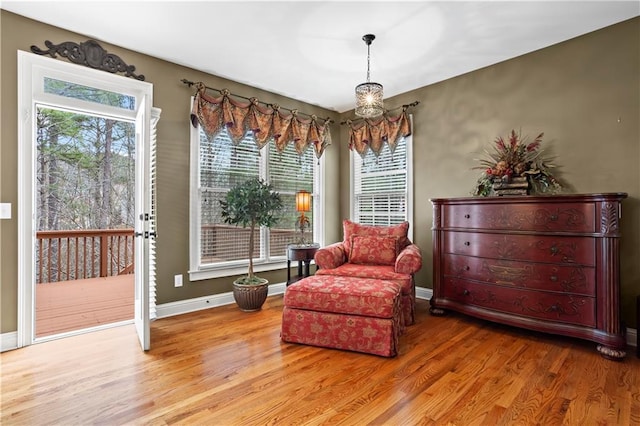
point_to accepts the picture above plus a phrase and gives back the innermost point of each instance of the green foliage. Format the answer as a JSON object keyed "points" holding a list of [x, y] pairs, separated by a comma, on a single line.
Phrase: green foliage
{"points": [[251, 203]]}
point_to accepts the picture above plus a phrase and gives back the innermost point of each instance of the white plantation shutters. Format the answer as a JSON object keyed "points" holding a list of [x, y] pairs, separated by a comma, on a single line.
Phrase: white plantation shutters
{"points": [[381, 189], [153, 224]]}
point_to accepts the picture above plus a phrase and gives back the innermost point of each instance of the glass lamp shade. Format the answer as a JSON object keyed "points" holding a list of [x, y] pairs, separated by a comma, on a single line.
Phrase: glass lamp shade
{"points": [[303, 201], [369, 102]]}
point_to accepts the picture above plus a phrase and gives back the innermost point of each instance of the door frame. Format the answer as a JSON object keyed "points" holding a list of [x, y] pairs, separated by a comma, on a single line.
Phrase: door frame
{"points": [[32, 69]]}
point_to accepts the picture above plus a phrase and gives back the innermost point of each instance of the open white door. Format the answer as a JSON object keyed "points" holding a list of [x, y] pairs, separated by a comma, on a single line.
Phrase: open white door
{"points": [[153, 222], [145, 222], [36, 87]]}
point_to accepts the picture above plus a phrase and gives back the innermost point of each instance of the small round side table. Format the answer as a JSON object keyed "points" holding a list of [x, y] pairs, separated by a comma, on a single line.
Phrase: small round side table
{"points": [[303, 253]]}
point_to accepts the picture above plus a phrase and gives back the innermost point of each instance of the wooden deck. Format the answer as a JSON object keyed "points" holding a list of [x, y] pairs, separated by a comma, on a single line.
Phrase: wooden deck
{"points": [[73, 305]]}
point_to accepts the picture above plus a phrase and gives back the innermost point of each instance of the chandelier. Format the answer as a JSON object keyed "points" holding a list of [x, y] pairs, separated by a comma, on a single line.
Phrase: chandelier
{"points": [[369, 95]]}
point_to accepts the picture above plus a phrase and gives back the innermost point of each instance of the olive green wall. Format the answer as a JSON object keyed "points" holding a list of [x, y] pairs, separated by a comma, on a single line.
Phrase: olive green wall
{"points": [[173, 97], [584, 94]]}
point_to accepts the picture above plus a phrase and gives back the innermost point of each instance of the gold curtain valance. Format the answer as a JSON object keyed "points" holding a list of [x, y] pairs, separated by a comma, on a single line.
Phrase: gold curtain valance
{"points": [[372, 134], [266, 122]]}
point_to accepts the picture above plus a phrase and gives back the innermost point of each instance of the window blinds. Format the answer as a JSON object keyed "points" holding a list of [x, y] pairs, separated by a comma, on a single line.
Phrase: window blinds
{"points": [[380, 187], [222, 166]]}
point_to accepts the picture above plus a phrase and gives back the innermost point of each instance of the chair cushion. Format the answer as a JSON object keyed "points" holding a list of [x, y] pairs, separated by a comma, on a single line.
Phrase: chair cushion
{"points": [[379, 272], [373, 250], [344, 295], [350, 228]]}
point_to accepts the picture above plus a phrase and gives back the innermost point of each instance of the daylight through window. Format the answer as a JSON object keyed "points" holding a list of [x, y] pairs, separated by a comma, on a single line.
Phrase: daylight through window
{"points": [[222, 165], [381, 186]]}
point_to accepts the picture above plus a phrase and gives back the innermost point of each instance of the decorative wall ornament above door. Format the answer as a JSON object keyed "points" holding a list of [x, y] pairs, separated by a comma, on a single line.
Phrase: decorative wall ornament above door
{"points": [[90, 54]]}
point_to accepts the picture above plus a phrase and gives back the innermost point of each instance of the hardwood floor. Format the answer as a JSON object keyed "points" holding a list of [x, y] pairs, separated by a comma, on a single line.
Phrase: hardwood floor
{"points": [[226, 367]]}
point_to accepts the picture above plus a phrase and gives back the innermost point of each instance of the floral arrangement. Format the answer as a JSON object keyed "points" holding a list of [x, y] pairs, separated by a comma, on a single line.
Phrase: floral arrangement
{"points": [[516, 157]]}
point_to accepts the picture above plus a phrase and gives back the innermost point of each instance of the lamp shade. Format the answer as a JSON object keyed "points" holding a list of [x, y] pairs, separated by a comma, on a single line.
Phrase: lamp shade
{"points": [[303, 201], [369, 100]]}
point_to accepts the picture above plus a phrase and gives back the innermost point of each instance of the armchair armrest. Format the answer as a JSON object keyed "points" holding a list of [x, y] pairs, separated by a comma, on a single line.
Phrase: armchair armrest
{"points": [[409, 261], [331, 256]]}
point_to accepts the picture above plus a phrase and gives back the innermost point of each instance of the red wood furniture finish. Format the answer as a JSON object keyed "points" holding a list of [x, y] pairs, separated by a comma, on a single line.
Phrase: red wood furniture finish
{"points": [[545, 263]]}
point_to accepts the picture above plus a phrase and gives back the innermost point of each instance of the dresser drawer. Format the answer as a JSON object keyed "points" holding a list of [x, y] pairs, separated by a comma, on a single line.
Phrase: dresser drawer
{"points": [[576, 279], [566, 308], [535, 248], [562, 217]]}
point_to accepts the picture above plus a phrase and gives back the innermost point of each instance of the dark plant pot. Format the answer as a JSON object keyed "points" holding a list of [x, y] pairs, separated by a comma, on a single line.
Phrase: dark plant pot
{"points": [[250, 298]]}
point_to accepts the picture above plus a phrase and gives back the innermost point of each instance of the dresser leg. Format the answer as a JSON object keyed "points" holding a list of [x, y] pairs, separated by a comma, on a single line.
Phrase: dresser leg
{"points": [[434, 310], [611, 353]]}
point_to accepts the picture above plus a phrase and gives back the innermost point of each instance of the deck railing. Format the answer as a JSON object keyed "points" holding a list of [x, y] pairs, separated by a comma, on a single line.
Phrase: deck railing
{"points": [[79, 254], [221, 243]]}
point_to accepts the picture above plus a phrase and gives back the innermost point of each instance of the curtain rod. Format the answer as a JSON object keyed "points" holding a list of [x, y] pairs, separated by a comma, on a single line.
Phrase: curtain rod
{"points": [[405, 106], [191, 83]]}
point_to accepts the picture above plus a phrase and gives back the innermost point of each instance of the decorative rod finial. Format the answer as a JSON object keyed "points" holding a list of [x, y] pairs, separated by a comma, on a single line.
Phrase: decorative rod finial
{"points": [[368, 38]]}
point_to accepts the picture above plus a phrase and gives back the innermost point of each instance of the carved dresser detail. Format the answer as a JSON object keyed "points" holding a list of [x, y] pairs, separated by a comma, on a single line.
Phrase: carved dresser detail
{"points": [[545, 263]]}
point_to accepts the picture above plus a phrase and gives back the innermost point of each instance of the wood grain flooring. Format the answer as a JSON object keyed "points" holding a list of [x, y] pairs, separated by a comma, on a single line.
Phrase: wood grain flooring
{"points": [[222, 366]]}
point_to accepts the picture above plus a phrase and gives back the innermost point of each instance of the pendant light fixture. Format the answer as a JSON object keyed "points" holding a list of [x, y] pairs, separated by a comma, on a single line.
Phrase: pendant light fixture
{"points": [[369, 95]]}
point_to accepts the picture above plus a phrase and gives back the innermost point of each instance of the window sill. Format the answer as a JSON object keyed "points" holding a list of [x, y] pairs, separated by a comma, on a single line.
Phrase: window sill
{"points": [[231, 271]]}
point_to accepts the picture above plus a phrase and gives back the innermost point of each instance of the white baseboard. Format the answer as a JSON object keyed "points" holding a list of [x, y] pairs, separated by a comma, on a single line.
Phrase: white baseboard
{"points": [[191, 305], [426, 293], [423, 293], [9, 341], [632, 337]]}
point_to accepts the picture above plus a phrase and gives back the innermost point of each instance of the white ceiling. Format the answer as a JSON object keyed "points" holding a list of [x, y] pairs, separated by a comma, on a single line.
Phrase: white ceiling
{"points": [[313, 51]]}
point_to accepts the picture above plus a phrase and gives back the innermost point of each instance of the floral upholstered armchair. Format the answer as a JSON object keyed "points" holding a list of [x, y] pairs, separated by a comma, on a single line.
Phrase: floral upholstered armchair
{"points": [[379, 252]]}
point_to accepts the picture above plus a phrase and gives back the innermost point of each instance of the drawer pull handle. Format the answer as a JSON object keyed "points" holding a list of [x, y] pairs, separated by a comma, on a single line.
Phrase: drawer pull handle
{"points": [[554, 250], [467, 243], [467, 216], [554, 217], [554, 308], [553, 278], [465, 292]]}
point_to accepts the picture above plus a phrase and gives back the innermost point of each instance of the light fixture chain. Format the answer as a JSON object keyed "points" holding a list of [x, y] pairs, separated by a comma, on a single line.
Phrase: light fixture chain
{"points": [[368, 62]]}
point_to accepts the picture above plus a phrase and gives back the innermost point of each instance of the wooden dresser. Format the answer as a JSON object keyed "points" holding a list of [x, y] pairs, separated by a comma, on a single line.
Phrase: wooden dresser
{"points": [[545, 263]]}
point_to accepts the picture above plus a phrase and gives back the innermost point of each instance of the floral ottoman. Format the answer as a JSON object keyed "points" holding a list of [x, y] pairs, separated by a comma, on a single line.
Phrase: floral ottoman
{"points": [[342, 312]]}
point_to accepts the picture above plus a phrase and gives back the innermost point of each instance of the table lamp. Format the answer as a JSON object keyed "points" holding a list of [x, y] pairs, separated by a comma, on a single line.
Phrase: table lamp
{"points": [[303, 204]]}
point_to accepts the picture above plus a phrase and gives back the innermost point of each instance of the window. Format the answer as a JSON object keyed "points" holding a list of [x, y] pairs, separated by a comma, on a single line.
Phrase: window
{"points": [[89, 94], [220, 249], [381, 188]]}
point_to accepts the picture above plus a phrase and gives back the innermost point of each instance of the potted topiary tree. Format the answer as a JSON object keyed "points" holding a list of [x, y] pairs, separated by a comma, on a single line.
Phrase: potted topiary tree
{"points": [[252, 203]]}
